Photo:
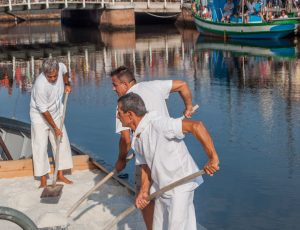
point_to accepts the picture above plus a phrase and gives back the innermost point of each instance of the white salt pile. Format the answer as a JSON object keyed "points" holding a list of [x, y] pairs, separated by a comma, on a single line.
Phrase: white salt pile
{"points": [[95, 213]]}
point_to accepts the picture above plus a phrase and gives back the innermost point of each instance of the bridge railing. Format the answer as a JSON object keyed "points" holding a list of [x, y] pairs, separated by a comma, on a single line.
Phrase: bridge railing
{"points": [[47, 3]]}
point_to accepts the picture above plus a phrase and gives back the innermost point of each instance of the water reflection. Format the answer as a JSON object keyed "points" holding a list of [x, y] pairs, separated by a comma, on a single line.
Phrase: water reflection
{"points": [[249, 96]]}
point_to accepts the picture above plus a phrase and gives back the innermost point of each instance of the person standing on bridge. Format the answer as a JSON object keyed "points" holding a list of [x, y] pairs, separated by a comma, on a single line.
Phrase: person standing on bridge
{"points": [[154, 94], [45, 113], [164, 159]]}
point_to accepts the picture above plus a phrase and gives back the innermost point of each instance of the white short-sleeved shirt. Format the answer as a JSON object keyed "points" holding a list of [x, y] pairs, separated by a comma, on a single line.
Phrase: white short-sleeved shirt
{"points": [[46, 96], [154, 95], [158, 143]]}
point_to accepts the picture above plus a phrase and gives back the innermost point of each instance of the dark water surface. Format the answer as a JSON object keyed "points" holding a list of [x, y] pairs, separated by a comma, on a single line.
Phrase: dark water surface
{"points": [[249, 97]]}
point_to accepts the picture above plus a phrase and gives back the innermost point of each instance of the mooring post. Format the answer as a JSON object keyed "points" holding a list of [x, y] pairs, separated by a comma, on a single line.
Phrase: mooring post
{"points": [[9, 5], [113, 2], [104, 58], [181, 3], [150, 55], [14, 66], [86, 56], [131, 1], [102, 3], [83, 3], [165, 4], [47, 4], [32, 67], [182, 50], [28, 4], [167, 49], [69, 63], [148, 4], [66, 3]]}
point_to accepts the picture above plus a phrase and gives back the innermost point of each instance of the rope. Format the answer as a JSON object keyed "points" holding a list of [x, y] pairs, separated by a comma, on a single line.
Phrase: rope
{"points": [[158, 16]]}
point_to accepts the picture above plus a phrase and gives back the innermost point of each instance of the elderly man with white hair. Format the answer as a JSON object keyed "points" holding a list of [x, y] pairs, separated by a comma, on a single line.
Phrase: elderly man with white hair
{"points": [[45, 113]]}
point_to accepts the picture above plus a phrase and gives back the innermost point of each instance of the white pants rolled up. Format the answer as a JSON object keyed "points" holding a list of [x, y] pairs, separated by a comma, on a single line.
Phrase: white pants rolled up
{"points": [[40, 133]]}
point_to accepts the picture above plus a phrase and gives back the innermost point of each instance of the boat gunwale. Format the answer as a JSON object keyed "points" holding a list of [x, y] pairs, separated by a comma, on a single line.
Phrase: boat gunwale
{"points": [[288, 21]]}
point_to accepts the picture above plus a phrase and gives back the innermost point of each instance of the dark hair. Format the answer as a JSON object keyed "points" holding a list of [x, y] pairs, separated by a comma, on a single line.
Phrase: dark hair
{"points": [[123, 73], [133, 102]]}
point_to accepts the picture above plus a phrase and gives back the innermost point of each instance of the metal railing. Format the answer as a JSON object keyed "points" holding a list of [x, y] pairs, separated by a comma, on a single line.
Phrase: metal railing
{"points": [[11, 3]]}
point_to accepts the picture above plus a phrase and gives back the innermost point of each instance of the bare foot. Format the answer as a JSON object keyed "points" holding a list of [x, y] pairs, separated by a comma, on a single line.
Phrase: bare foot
{"points": [[64, 180], [43, 182]]}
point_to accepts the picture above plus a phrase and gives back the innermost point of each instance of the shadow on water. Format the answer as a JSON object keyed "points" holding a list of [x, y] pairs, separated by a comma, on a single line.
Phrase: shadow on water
{"points": [[249, 93]]}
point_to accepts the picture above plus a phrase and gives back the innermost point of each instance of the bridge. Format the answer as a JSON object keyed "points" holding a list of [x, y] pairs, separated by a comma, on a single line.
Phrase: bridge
{"points": [[160, 6], [108, 14]]}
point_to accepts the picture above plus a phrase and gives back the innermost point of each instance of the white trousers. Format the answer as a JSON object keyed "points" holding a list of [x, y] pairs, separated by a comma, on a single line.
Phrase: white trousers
{"points": [[40, 133], [175, 212]]}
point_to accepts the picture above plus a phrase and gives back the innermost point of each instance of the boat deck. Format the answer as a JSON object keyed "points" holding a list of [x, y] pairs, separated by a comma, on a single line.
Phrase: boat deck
{"points": [[97, 211]]}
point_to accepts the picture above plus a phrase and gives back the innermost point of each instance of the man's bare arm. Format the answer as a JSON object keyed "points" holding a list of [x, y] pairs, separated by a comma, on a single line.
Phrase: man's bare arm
{"points": [[183, 89], [141, 200], [51, 122], [199, 131], [124, 147]]}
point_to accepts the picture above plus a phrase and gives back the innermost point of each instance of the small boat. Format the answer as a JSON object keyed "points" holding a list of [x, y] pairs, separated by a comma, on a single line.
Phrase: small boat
{"points": [[19, 192], [256, 28]]}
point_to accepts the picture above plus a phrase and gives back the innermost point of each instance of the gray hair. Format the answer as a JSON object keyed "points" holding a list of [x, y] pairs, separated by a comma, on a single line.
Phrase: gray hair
{"points": [[50, 65], [133, 102]]}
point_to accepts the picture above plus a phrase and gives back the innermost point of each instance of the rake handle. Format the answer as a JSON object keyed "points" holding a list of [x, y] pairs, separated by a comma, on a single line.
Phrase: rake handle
{"points": [[195, 107], [154, 195], [99, 184]]}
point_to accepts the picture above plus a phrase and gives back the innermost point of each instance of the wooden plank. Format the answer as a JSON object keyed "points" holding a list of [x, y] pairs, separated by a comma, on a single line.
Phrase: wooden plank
{"points": [[19, 168]]}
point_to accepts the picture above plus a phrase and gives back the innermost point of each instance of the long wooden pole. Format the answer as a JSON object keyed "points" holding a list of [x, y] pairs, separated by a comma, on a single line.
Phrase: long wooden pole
{"points": [[153, 196], [98, 185]]}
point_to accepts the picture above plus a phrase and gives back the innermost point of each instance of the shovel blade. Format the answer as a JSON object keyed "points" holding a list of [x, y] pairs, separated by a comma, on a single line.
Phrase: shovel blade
{"points": [[51, 193]]}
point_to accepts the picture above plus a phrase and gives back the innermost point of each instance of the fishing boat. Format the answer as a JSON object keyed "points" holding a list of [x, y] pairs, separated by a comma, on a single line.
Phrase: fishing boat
{"points": [[255, 28], [19, 192]]}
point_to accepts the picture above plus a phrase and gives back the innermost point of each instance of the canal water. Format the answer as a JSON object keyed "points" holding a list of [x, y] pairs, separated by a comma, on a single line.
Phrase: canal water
{"points": [[249, 97]]}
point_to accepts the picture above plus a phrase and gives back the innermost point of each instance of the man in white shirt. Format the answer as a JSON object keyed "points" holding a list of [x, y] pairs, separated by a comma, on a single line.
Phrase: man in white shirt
{"points": [[164, 159], [154, 94], [45, 113]]}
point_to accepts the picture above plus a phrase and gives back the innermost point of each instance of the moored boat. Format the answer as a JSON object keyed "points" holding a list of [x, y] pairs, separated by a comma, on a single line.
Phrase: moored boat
{"points": [[255, 28], [19, 191]]}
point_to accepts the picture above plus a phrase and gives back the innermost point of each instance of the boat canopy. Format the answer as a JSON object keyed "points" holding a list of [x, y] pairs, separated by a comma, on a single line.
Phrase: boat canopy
{"points": [[217, 7]]}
